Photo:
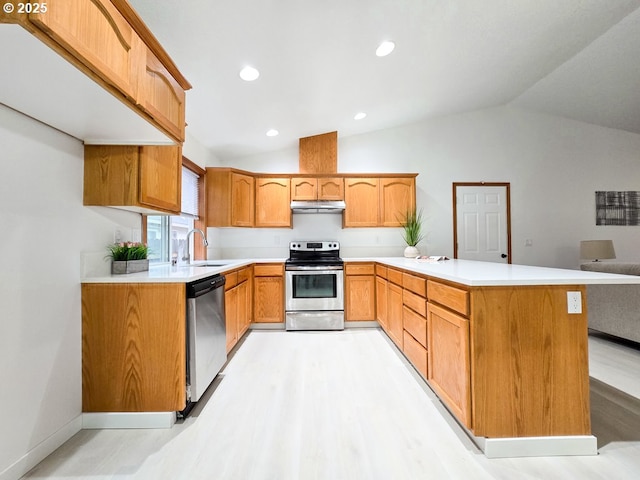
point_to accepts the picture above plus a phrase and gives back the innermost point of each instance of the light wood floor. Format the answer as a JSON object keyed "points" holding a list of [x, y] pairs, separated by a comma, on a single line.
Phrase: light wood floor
{"points": [[342, 405]]}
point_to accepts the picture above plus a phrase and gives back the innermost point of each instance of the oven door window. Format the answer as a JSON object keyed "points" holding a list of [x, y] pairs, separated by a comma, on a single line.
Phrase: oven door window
{"points": [[315, 286]]}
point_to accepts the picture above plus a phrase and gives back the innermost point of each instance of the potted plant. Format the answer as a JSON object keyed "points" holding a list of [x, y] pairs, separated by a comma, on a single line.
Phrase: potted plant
{"points": [[128, 257], [412, 234]]}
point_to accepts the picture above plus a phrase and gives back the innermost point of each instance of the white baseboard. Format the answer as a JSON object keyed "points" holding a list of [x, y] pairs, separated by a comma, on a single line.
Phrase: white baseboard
{"points": [[128, 420], [540, 446], [42, 450]]}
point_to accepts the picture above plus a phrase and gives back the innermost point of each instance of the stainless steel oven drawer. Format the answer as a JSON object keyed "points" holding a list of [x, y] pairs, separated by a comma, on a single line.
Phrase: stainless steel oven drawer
{"points": [[326, 320]]}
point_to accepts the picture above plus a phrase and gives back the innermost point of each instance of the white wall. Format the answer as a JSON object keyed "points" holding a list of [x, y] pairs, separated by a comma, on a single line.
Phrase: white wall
{"points": [[554, 166], [46, 235]]}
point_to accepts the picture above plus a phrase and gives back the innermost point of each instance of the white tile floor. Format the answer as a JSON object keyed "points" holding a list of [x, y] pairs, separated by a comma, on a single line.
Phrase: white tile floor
{"points": [[342, 405]]}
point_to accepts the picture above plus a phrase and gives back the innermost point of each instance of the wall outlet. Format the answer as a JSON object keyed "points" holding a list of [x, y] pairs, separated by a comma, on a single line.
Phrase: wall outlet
{"points": [[574, 302]]}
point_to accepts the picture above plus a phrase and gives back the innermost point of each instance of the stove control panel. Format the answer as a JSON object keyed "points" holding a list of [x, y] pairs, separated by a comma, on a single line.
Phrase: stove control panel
{"points": [[301, 246]]}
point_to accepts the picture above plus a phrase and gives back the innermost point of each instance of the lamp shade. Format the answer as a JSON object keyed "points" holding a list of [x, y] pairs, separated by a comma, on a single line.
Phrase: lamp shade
{"points": [[597, 249]]}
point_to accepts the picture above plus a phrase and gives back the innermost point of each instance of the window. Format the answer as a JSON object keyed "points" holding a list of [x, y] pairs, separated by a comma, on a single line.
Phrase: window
{"points": [[167, 234]]}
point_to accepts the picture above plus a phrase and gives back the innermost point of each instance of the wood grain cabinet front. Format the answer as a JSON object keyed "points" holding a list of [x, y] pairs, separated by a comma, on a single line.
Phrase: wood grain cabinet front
{"points": [[317, 188], [133, 347], [144, 179], [360, 288], [96, 34], [110, 43], [268, 293], [160, 95], [273, 202], [230, 198]]}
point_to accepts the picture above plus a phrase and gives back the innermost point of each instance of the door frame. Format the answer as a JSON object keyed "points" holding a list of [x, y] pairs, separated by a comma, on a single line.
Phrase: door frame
{"points": [[507, 186]]}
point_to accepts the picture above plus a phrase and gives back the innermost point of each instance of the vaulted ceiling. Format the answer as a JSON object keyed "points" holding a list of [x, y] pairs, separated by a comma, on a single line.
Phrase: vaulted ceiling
{"points": [[318, 68]]}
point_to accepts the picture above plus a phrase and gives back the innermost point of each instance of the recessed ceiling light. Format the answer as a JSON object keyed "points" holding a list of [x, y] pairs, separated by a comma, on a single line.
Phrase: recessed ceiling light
{"points": [[385, 48], [249, 74], [359, 116], [272, 133]]}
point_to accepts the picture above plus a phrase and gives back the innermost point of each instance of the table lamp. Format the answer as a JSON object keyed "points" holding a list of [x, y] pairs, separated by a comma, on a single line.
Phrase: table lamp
{"points": [[597, 250]]}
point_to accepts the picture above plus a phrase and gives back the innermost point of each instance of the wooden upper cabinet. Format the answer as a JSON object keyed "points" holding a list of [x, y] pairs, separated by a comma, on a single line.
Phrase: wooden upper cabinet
{"points": [[144, 179], [319, 154], [361, 198], [230, 198], [330, 188], [160, 95], [161, 177], [273, 202], [397, 197], [95, 33], [242, 200], [320, 188], [304, 188]]}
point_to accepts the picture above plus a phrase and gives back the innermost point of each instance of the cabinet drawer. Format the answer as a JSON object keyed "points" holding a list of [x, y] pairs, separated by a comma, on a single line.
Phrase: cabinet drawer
{"points": [[416, 354], [268, 270], [244, 274], [394, 276], [452, 297], [416, 325], [381, 271], [415, 284], [231, 280], [415, 302], [359, 269]]}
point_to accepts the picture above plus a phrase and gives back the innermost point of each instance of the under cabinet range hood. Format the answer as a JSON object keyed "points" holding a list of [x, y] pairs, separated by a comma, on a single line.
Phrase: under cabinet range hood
{"points": [[318, 206]]}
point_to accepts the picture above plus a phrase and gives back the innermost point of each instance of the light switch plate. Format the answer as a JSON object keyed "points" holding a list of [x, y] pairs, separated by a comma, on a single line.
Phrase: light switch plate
{"points": [[574, 302]]}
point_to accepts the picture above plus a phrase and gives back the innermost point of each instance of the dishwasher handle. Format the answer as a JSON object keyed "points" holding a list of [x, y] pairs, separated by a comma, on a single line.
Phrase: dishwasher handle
{"points": [[204, 286]]}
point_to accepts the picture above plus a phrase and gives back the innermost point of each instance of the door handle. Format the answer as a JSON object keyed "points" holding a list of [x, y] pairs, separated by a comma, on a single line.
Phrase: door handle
{"points": [[504, 255]]}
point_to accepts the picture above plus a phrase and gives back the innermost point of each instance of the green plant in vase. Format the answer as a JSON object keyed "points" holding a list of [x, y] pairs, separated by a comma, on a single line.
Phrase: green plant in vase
{"points": [[128, 257], [412, 234]]}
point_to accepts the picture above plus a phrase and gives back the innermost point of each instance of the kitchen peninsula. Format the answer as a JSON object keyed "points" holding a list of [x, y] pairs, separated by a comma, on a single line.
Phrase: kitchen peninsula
{"points": [[504, 346]]}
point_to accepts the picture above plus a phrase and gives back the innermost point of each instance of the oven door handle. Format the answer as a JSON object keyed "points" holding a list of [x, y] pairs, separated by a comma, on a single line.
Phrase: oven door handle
{"points": [[312, 268]]}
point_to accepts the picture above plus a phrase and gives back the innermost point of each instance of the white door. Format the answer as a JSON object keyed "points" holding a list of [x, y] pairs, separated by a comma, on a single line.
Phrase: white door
{"points": [[482, 224]]}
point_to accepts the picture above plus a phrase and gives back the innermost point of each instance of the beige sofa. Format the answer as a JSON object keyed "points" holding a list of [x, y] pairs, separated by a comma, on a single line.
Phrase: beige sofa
{"points": [[614, 309]]}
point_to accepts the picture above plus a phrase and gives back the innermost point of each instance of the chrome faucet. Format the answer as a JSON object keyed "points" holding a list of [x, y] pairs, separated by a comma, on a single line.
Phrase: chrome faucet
{"points": [[187, 257]]}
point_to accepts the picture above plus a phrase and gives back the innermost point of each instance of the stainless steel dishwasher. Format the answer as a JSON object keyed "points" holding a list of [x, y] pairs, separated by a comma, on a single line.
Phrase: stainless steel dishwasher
{"points": [[206, 335]]}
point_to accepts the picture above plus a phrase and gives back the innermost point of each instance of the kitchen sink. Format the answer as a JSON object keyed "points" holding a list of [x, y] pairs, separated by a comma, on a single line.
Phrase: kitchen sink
{"points": [[209, 265]]}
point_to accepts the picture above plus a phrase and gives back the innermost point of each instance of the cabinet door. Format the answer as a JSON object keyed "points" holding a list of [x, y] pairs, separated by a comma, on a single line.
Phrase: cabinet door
{"points": [[268, 299], [161, 177], [361, 197], [448, 360], [360, 297], [231, 316], [95, 33], [273, 202], [160, 95], [394, 314], [330, 189], [397, 197], [242, 200], [381, 302], [304, 188], [244, 308]]}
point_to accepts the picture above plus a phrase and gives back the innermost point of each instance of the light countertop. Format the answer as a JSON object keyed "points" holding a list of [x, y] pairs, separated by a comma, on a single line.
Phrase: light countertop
{"points": [[465, 272], [474, 273]]}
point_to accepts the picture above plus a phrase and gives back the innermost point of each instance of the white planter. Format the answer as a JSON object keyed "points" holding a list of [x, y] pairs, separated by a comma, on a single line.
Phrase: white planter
{"points": [[411, 252]]}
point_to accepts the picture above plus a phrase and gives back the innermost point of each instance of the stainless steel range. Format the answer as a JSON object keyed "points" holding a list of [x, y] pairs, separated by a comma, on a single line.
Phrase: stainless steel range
{"points": [[314, 275]]}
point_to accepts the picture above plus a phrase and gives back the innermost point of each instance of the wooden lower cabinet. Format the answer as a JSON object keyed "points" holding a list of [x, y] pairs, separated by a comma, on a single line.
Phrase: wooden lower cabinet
{"points": [[360, 295], [231, 309], [448, 360], [268, 293], [238, 306], [416, 353], [394, 314], [133, 347], [381, 301]]}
